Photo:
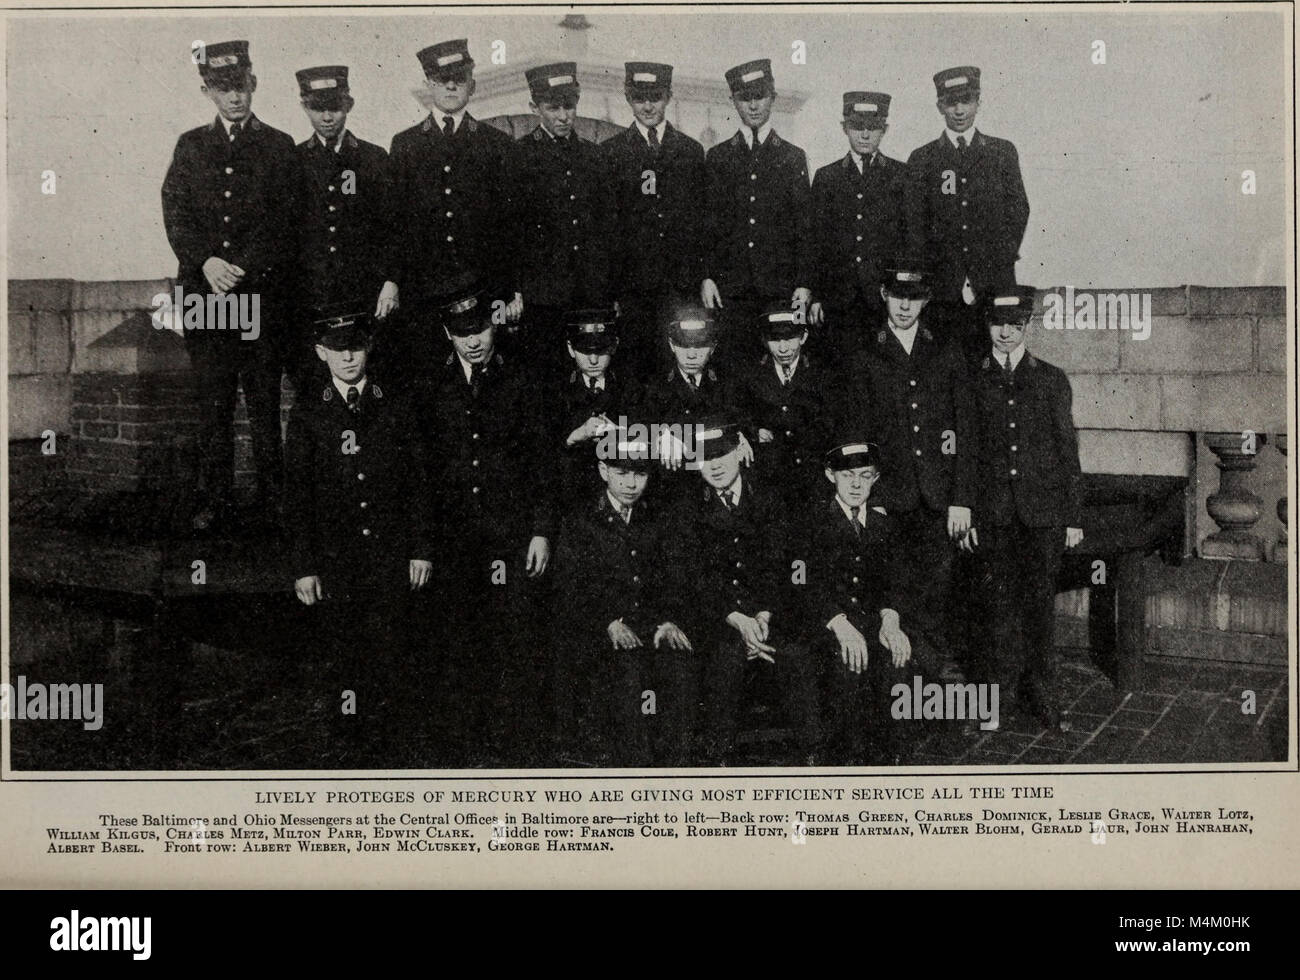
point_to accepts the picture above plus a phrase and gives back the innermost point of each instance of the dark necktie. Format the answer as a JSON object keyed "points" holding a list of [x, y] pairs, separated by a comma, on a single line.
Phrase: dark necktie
{"points": [[652, 136], [857, 524], [755, 144], [235, 130], [728, 499], [1008, 372], [475, 377], [448, 126], [961, 143], [354, 399], [625, 512]]}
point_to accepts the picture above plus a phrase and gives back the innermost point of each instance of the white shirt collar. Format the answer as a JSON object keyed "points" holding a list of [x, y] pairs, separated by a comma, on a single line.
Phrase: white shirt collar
{"points": [[618, 507], [645, 130], [440, 117], [342, 386], [467, 368], [848, 511], [732, 491], [597, 383], [748, 134], [952, 137], [1016, 355], [906, 337], [860, 161], [794, 366], [689, 379], [226, 123], [338, 143]]}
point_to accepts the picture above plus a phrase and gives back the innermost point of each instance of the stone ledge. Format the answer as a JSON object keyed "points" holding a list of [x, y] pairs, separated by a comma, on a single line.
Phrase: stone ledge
{"points": [[1197, 346], [1224, 403], [1236, 300]]}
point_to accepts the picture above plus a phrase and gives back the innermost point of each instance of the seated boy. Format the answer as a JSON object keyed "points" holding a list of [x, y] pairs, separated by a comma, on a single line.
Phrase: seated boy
{"points": [[854, 590], [616, 566], [356, 467]]}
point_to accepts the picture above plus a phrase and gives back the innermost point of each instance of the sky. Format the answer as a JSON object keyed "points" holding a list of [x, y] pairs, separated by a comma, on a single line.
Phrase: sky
{"points": [[1133, 168]]}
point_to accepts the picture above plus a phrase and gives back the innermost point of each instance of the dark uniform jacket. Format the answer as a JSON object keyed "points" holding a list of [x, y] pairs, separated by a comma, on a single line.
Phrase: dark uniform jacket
{"points": [[607, 569], [574, 404], [565, 208], [344, 224], [857, 575], [495, 485], [455, 198], [798, 414], [232, 200], [859, 227], [656, 237], [916, 407], [670, 399], [741, 558], [759, 217], [976, 230], [1029, 453], [357, 519]]}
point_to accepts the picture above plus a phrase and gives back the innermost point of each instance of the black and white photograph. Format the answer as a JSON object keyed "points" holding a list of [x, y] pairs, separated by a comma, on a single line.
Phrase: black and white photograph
{"points": [[692, 389]]}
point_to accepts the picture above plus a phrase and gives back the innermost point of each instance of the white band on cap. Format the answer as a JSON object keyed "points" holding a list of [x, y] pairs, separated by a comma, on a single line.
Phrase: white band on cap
{"points": [[1006, 301], [857, 448], [323, 83], [644, 76], [591, 327], [780, 318], [954, 82], [448, 59], [866, 107], [709, 434], [560, 80], [468, 303], [222, 60], [631, 450], [751, 76], [692, 324], [908, 277]]}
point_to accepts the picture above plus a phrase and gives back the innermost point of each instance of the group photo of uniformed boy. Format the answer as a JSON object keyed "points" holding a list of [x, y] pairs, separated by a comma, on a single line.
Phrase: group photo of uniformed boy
{"points": [[599, 451]]}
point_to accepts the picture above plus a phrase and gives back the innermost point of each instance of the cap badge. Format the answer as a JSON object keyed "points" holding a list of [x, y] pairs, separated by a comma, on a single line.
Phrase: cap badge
{"points": [[908, 277], [751, 76], [865, 107], [449, 59], [1006, 301], [316, 83], [464, 305], [223, 60], [555, 80], [644, 76], [954, 82]]}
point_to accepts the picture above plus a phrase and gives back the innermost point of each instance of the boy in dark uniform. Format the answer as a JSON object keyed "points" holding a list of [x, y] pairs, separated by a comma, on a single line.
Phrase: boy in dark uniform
{"points": [[343, 211], [359, 516], [618, 566], [967, 209], [855, 590], [911, 390], [787, 398], [758, 240], [1029, 502], [456, 231], [494, 500], [681, 398], [859, 224], [658, 199], [590, 401], [227, 205], [564, 191], [745, 608]]}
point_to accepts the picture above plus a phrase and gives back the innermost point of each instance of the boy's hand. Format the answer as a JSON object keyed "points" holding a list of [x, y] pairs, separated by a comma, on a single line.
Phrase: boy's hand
{"points": [[816, 315], [221, 275], [420, 572], [387, 301], [622, 636], [1073, 535], [709, 295], [308, 589], [515, 309], [853, 645], [764, 620], [539, 555], [958, 522], [752, 634], [746, 451], [893, 638], [969, 541], [672, 635], [765, 436]]}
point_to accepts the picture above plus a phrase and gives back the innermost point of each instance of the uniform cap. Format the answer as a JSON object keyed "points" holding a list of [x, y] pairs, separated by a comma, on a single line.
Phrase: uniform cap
{"points": [[445, 59], [323, 87], [907, 281], [647, 77], [957, 83], [866, 108], [851, 455], [554, 80], [692, 327], [224, 61], [1011, 305], [591, 331], [779, 321], [753, 79], [343, 331]]}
